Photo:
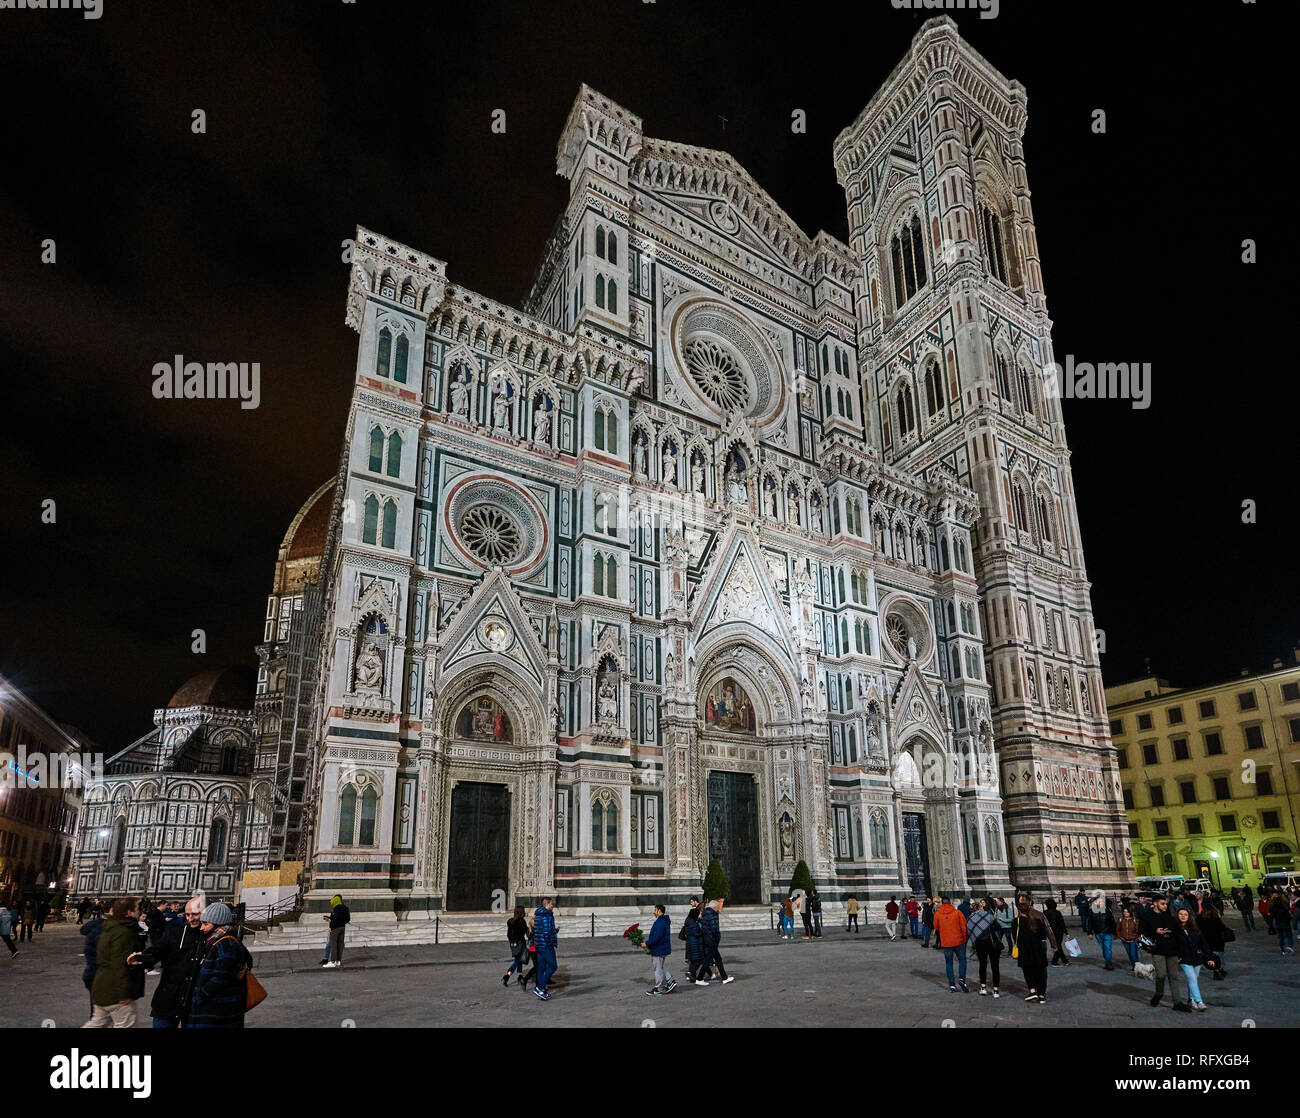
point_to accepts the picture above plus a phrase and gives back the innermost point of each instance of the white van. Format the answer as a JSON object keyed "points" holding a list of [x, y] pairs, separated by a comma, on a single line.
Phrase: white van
{"points": [[1161, 884], [1283, 879]]}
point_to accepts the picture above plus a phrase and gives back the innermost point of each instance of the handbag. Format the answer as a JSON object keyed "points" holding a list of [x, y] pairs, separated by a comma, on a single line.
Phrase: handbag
{"points": [[1072, 948], [1015, 935], [254, 991]]}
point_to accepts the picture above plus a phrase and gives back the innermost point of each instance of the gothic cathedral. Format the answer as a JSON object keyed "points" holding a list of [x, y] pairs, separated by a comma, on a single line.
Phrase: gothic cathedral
{"points": [[728, 543]]}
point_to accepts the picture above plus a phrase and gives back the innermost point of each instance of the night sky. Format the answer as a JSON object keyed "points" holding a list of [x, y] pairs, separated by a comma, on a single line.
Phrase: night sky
{"points": [[323, 115]]}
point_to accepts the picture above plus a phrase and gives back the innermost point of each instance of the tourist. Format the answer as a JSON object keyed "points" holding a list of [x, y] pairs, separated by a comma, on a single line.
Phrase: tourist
{"points": [[950, 933], [693, 933], [1127, 931], [1243, 903], [116, 987], [913, 912], [92, 929], [1081, 907], [801, 907], [1217, 936], [1160, 930], [83, 910], [891, 919], [338, 919], [545, 938], [851, 910], [1193, 953], [815, 910], [1280, 913], [711, 932], [966, 908], [6, 928], [927, 921], [1101, 925], [1005, 914], [1030, 930], [982, 932], [660, 945], [179, 953], [1056, 922], [517, 937], [787, 917], [29, 920], [1264, 900], [221, 989], [42, 912]]}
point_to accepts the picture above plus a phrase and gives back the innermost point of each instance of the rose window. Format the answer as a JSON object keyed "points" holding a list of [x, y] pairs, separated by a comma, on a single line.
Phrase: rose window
{"points": [[717, 374], [896, 630], [490, 534]]}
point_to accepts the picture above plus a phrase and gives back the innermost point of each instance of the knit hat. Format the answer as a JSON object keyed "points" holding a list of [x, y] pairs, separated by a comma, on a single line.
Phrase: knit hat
{"points": [[218, 914]]}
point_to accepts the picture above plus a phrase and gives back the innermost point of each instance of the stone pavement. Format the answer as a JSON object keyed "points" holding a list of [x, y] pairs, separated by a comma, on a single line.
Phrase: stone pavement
{"points": [[840, 980]]}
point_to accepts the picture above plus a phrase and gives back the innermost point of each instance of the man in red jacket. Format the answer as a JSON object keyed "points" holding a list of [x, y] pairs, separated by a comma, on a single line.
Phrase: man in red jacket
{"points": [[891, 919], [950, 927]]}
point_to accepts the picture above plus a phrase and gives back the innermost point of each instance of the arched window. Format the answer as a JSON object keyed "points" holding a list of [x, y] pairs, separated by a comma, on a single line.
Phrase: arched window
{"points": [[376, 450], [907, 253], [394, 455], [390, 524], [613, 297], [604, 826], [117, 850], [598, 429], [598, 574], [906, 412], [1044, 520], [991, 241], [217, 844], [943, 553], [992, 841], [1019, 510], [611, 577], [399, 366], [600, 292], [369, 803], [370, 524], [611, 253], [597, 825], [347, 816], [933, 389], [1004, 379], [1026, 392], [611, 826], [600, 248], [385, 354]]}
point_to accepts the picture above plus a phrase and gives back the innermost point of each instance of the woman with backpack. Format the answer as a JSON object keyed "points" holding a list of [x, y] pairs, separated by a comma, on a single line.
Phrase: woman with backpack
{"points": [[517, 937]]}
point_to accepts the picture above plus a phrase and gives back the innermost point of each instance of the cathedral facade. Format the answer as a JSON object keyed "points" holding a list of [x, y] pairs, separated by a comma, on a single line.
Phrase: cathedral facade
{"points": [[726, 543]]}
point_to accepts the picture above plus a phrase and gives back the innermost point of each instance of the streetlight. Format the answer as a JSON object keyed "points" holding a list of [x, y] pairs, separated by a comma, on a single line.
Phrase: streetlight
{"points": [[1214, 864]]}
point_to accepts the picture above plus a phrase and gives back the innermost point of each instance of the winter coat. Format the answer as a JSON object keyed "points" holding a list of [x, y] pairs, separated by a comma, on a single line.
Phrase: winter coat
{"points": [[1030, 929], [221, 990], [1192, 948], [339, 916], [1280, 910], [1056, 922], [660, 940], [92, 929], [891, 910], [1101, 923], [694, 936], [180, 952], [815, 904], [1127, 928], [544, 932], [1161, 931], [912, 909], [517, 934], [927, 914], [710, 929], [951, 926], [115, 982], [1214, 930], [980, 925], [851, 908], [1005, 916]]}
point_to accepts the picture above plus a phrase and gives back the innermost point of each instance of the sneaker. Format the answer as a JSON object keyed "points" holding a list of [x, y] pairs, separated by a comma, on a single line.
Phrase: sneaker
{"points": [[542, 994], [1182, 1007], [155, 972], [1288, 950], [324, 962], [729, 978], [1200, 1005], [996, 994], [1042, 999], [1032, 998], [983, 992], [964, 988], [652, 991], [701, 982], [952, 989], [670, 987]]}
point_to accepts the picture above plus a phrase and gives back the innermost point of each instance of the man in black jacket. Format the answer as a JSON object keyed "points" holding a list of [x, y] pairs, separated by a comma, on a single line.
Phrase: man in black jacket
{"points": [[338, 918], [1159, 927], [180, 953]]}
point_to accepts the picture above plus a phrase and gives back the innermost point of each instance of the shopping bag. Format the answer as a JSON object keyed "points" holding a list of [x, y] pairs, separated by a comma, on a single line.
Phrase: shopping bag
{"points": [[1072, 948]]}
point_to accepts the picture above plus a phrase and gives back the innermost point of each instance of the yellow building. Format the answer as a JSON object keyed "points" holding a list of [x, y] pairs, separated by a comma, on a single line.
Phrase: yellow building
{"points": [[1209, 774]]}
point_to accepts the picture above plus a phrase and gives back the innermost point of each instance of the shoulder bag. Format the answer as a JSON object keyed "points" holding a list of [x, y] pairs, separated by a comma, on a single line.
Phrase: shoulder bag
{"points": [[1015, 936], [254, 991]]}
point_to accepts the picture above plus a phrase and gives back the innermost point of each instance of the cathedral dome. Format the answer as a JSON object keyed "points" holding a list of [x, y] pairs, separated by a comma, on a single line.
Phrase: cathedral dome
{"points": [[230, 687], [306, 535]]}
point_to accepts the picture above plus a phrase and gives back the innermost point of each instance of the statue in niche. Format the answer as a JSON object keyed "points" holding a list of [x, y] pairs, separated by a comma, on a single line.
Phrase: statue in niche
{"points": [[669, 465], [370, 668], [911, 648], [501, 411], [460, 396], [638, 456], [787, 837], [697, 474], [607, 698], [542, 425], [737, 489], [815, 515], [1033, 682]]}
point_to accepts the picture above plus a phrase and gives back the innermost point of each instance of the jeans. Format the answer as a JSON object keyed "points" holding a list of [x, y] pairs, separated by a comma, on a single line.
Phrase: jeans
{"points": [[807, 925], [163, 1023], [1285, 938], [853, 922], [1193, 987], [787, 925], [925, 935], [988, 950], [519, 961], [1008, 933], [713, 959], [9, 943], [1167, 966], [1248, 918], [545, 966], [1130, 946], [960, 952], [663, 975], [1106, 940], [914, 925], [334, 947], [817, 924]]}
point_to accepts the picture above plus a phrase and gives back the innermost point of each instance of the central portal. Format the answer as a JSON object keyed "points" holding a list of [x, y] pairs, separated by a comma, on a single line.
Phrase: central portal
{"points": [[733, 833], [479, 855], [917, 853]]}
